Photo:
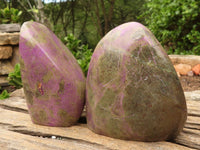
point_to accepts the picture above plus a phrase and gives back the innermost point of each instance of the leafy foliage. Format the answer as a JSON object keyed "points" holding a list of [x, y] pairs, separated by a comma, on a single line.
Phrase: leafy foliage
{"points": [[4, 95], [10, 15], [175, 24], [15, 77], [89, 20], [80, 51]]}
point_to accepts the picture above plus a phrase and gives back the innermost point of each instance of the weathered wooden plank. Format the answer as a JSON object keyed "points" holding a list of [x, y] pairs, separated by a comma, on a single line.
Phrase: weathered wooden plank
{"points": [[192, 126], [16, 103], [194, 95], [14, 118], [19, 122], [13, 140], [10, 27], [193, 120], [193, 108], [189, 138]]}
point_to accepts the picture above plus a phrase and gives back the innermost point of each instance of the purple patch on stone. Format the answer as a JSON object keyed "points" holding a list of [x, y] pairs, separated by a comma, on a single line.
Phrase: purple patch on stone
{"points": [[53, 82]]}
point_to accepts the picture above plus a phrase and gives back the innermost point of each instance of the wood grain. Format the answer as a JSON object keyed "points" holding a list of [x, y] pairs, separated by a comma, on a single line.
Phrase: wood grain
{"points": [[18, 132]]}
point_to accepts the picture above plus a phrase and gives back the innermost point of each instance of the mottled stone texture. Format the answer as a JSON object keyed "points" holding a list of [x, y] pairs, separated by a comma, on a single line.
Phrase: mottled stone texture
{"points": [[54, 84], [5, 67], [5, 52], [10, 28], [132, 90], [9, 38], [15, 56]]}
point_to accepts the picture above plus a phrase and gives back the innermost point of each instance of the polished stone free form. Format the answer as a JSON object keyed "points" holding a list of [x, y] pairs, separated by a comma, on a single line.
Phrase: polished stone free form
{"points": [[53, 82], [132, 89]]}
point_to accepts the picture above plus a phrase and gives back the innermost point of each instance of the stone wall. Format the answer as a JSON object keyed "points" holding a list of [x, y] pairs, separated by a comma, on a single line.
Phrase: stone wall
{"points": [[9, 50]]}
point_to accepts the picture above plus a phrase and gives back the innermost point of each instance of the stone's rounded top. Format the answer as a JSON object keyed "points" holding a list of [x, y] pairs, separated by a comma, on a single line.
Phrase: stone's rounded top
{"points": [[27, 23], [122, 34], [127, 37], [37, 39], [32, 25], [33, 32]]}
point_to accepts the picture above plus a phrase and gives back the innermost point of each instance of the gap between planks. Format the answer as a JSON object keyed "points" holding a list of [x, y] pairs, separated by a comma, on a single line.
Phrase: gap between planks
{"points": [[189, 138]]}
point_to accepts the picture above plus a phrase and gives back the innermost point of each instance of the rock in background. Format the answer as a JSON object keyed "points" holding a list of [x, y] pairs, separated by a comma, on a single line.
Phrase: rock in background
{"points": [[186, 64], [182, 69], [9, 50]]}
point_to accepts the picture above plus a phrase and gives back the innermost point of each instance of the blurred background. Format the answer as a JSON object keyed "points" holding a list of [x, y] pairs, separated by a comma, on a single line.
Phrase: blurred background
{"points": [[175, 23], [80, 24]]}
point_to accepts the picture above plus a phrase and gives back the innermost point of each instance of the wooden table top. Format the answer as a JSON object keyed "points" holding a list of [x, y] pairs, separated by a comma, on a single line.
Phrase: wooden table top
{"points": [[19, 133]]}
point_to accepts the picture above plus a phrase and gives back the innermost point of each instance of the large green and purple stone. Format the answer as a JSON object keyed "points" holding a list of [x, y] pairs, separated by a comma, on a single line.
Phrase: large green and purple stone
{"points": [[53, 82], [132, 89]]}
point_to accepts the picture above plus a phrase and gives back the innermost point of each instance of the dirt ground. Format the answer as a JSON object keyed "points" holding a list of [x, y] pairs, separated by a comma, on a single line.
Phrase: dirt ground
{"points": [[190, 83]]}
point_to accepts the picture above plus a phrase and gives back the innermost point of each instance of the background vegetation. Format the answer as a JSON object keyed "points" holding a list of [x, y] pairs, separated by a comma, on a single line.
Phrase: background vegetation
{"points": [[175, 23], [80, 24], [87, 20]]}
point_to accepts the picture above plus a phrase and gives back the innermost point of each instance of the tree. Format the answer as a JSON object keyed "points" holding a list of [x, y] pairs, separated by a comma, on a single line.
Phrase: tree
{"points": [[36, 10], [105, 9], [73, 4], [89, 20], [83, 18], [107, 14], [127, 10]]}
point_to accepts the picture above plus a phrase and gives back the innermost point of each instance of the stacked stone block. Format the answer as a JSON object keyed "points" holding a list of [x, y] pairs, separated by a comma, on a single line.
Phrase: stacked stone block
{"points": [[9, 49]]}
